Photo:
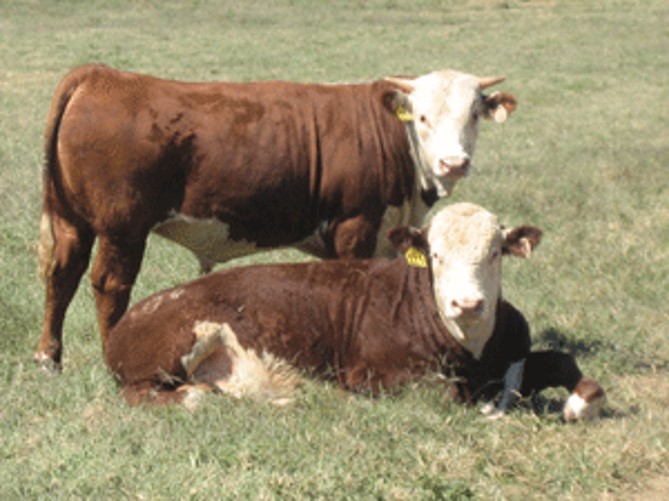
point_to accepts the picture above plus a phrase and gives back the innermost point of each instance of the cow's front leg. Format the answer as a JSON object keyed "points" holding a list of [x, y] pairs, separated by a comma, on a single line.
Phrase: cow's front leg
{"points": [[553, 369], [513, 379], [354, 237], [114, 272]]}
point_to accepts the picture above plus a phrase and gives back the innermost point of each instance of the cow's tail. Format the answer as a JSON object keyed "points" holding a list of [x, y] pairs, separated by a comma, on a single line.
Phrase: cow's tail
{"points": [[51, 189]]}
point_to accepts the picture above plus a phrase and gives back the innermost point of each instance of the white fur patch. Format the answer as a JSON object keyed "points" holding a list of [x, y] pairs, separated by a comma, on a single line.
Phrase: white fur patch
{"points": [[512, 381], [577, 408], [444, 101], [465, 244], [152, 304], [219, 360], [208, 239], [513, 378]]}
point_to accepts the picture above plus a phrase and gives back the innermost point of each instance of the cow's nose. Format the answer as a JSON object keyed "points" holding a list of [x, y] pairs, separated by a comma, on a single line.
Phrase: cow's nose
{"points": [[457, 166], [468, 308]]}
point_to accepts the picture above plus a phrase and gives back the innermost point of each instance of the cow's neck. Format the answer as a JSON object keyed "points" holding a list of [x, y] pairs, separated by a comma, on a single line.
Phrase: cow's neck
{"points": [[471, 336]]}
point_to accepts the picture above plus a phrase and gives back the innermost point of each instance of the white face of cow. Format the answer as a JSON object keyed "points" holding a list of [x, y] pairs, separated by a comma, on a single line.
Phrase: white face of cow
{"points": [[466, 244], [443, 110]]}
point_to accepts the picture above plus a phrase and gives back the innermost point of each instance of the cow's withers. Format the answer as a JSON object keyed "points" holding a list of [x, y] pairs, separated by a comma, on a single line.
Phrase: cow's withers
{"points": [[230, 168]]}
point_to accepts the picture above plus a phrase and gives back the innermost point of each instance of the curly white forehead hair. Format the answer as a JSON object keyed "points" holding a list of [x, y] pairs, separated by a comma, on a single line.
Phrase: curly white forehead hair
{"points": [[464, 226]]}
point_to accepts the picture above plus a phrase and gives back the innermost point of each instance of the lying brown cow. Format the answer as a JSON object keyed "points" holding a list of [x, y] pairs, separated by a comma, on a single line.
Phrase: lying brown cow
{"points": [[369, 324], [229, 168]]}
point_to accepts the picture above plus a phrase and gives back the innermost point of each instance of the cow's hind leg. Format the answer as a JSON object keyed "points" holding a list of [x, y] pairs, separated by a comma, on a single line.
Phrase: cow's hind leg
{"points": [[551, 368], [65, 250], [114, 272]]}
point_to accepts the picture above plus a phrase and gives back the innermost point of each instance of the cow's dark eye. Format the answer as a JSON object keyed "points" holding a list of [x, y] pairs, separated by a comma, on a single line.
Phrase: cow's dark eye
{"points": [[423, 119]]}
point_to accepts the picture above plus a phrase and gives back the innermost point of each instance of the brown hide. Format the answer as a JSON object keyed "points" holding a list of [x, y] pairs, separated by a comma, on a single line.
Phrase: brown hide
{"points": [[272, 160], [369, 324]]}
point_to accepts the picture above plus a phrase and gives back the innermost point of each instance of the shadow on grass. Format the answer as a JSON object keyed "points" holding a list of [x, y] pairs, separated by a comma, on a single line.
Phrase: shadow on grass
{"points": [[622, 356], [557, 340]]}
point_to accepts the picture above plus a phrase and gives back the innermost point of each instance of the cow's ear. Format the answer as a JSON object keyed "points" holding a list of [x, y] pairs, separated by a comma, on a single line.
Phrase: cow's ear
{"points": [[521, 241], [399, 105], [397, 101], [499, 105], [404, 238]]}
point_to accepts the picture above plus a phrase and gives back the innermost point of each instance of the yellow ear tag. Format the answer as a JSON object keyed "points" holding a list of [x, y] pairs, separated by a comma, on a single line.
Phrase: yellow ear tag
{"points": [[403, 114], [415, 257]]}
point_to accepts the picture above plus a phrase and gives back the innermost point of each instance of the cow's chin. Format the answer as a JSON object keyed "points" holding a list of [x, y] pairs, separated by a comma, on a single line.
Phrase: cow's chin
{"points": [[445, 184], [466, 320]]}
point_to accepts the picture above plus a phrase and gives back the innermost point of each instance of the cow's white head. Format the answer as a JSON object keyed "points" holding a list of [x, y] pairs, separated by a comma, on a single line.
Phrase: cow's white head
{"points": [[442, 111], [464, 244]]}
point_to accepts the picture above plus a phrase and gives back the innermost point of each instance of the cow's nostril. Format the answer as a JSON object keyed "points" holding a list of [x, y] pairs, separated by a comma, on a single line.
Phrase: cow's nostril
{"points": [[454, 165], [468, 307]]}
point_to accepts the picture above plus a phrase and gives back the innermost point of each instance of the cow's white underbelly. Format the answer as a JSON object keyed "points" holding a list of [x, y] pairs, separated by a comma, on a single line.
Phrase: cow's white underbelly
{"points": [[208, 239]]}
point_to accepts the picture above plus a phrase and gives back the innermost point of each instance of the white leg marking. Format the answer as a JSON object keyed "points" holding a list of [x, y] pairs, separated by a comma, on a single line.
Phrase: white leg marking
{"points": [[194, 396], [577, 408], [488, 408], [512, 381], [207, 340]]}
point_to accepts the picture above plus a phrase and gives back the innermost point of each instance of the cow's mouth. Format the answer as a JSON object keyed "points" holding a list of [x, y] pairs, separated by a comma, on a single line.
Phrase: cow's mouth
{"points": [[454, 168]]}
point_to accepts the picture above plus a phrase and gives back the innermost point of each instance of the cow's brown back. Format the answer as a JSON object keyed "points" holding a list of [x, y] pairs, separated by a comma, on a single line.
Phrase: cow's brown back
{"points": [[271, 159], [267, 162], [363, 323]]}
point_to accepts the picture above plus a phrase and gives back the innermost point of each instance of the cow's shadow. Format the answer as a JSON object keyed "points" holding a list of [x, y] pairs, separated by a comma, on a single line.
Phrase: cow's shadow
{"points": [[548, 403], [555, 339]]}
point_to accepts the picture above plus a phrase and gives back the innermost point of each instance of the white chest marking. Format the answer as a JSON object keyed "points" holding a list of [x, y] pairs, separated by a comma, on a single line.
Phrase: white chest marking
{"points": [[473, 339]]}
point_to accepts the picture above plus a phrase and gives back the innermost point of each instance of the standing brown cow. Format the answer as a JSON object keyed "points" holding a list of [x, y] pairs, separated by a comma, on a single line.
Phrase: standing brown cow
{"points": [[229, 168]]}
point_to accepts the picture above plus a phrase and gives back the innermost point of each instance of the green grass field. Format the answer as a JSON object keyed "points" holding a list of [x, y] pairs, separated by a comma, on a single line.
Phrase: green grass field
{"points": [[585, 157]]}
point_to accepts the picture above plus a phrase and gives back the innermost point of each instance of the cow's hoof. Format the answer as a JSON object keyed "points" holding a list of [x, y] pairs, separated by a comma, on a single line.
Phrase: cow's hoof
{"points": [[495, 415], [586, 402], [47, 364], [488, 408]]}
